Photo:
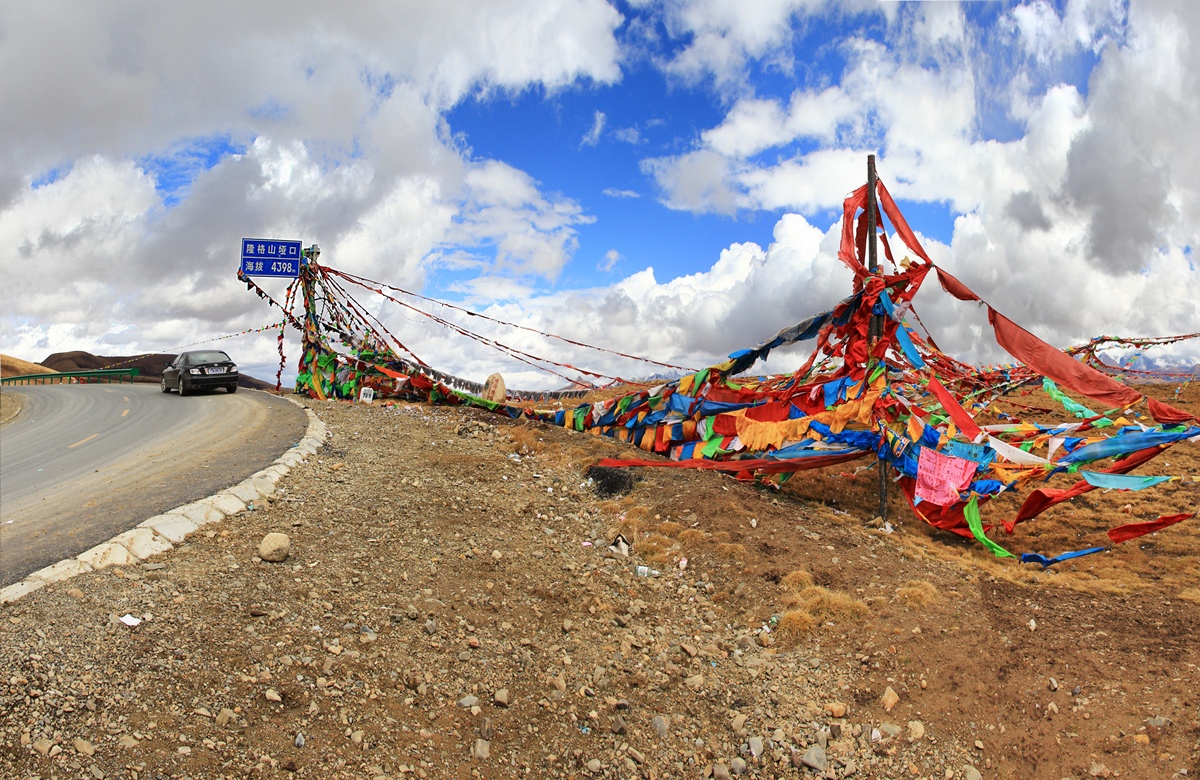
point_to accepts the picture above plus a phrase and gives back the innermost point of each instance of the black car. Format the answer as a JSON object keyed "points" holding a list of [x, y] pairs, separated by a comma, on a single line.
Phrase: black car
{"points": [[200, 370]]}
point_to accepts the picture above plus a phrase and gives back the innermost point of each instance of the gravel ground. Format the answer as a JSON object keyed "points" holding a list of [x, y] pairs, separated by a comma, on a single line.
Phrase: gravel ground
{"points": [[450, 607]]}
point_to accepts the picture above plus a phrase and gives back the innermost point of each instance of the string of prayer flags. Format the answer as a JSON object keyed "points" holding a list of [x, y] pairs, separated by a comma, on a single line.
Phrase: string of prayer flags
{"points": [[885, 393]]}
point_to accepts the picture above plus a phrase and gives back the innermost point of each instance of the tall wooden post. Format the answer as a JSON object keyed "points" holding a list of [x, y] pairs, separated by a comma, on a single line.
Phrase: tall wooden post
{"points": [[311, 327], [875, 327]]}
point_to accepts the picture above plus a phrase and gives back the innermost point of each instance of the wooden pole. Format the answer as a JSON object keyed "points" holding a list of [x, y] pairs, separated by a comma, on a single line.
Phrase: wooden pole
{"points": [[875, 328]]}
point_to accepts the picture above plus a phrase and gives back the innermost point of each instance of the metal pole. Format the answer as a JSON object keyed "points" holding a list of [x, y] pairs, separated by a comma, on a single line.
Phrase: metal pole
{"points": [[875, 328]]}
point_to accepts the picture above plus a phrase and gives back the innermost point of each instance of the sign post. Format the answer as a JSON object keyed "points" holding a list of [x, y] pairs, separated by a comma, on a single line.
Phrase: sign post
{"points": [[271, 257]]}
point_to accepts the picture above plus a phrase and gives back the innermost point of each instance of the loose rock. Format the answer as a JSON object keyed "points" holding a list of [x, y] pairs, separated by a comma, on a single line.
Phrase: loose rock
{"points": [[274, 547], [815, 758]]}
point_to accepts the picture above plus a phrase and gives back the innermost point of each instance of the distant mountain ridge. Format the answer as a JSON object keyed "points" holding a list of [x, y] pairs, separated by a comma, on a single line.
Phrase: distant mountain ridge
{"points": [[1156, 364]]}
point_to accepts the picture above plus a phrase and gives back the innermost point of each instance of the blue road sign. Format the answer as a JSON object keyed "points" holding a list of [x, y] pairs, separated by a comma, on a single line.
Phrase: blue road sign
{"points": [[270, 257]]}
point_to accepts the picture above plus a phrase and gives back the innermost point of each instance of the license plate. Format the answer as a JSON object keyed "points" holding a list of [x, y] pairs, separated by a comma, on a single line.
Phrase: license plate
{"points": [[214, 371]]}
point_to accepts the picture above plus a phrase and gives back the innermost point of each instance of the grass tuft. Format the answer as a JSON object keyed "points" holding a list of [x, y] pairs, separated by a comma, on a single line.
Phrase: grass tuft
{"points": [[824, 604], [659, 539], [795, 623], [916, 594], [669, 528], [629, 527], [526, 441], [797, 580], [650, 551], [734, 552]]}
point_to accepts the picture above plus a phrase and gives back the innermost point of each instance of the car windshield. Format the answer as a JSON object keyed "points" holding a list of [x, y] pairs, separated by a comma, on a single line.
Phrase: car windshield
{"points": [[196, 358]]}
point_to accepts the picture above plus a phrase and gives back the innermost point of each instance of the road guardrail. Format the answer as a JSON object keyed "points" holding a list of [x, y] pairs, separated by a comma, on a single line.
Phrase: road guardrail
{"points": [[74, 377]]}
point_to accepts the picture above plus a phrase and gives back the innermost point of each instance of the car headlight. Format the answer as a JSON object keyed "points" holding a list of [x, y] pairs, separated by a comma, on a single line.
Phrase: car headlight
{"points": [[193, 371]]}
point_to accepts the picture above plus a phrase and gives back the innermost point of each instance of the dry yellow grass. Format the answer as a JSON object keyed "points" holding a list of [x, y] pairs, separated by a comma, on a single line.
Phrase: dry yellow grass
{"points": [[663, 558], [795, 623], [797, 580], [639, 513], [1191, 594], [629, 527], [824, 604], [11, 366], [734, 552], [526, 441], [692, 537], [916, 594], [659, 539], [720, 537], [650, 551], [603, 607], [669, 528], [654, 547]]}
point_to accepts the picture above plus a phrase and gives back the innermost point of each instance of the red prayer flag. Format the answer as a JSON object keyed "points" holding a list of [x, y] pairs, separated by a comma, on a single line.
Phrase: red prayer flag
{"points": [[961, 416], [898, 221], [1071, 373], [1124, 533], [955, 287]]}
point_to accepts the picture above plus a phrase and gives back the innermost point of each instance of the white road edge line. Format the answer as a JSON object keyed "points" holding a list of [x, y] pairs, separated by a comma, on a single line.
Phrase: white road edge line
{"points": [[161, 533]]}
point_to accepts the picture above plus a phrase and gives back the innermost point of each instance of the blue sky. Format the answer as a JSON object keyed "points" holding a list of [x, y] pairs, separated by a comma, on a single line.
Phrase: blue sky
{"points": [[536, 159]]}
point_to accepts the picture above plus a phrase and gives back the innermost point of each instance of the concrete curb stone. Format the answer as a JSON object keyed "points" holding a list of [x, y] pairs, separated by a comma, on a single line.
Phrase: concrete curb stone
{"points": [[142, 543], [226, 503], [244, 492], [63, 570], [107, 554], [20, 589], [199, 513], [173, 528]]}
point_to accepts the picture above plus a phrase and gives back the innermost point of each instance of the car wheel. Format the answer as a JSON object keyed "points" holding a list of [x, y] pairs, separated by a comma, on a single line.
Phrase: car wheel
{"points": [[163, 384], [183, 385], [232, 388]]}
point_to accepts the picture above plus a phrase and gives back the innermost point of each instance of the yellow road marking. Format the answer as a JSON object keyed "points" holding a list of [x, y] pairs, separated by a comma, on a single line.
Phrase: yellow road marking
{"points": [[126, 411], [126, 398], [76, 444]]}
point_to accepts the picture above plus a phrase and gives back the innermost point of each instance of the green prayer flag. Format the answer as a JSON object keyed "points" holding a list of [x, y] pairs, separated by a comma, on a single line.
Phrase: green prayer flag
{"points": [[1079, 410], [971, 512]]}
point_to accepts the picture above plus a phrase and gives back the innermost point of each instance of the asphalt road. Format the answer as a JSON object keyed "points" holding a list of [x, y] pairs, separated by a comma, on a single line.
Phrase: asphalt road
{"points": [[82, 463]]}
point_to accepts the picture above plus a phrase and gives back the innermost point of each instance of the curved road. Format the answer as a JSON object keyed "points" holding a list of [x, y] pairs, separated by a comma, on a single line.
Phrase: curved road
{"points": [[82, 463]]}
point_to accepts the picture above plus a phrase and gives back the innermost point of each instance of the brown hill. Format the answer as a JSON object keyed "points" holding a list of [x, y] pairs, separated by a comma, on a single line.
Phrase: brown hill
{"points": [[151, 366], [11, 366]]}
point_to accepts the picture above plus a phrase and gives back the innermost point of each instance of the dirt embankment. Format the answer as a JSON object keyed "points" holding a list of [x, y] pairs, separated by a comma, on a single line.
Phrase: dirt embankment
{"points": [[10, 405], [450, 608]]}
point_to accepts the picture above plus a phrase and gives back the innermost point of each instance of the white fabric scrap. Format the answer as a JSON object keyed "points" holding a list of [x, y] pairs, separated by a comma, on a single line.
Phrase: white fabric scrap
{"points": [[1014, 454]]}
